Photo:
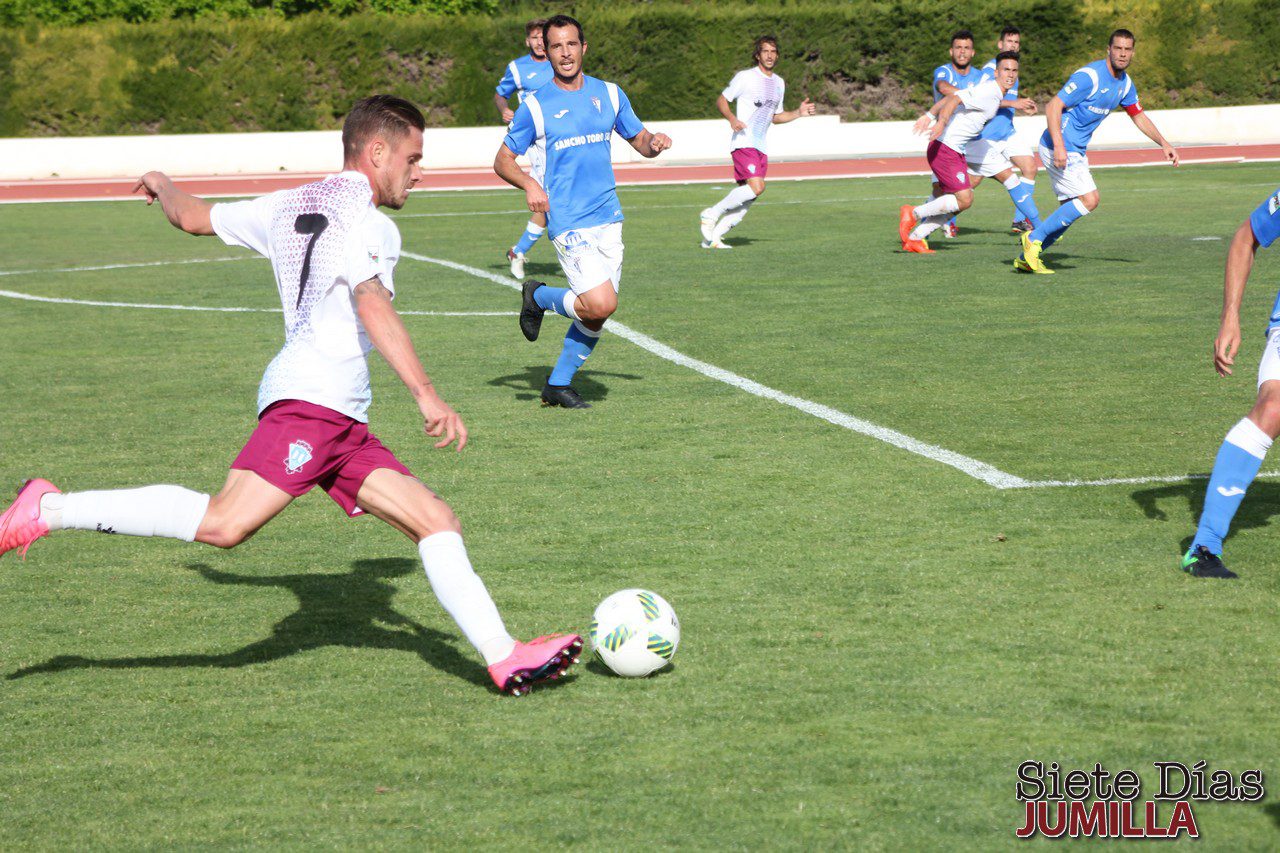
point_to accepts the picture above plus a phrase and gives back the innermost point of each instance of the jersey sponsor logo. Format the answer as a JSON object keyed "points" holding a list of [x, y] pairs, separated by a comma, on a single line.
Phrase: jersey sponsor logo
{"points": [[595, 102], [581, 139], [1273, 204], [560, 114], [1069, 88], [299, 455]]}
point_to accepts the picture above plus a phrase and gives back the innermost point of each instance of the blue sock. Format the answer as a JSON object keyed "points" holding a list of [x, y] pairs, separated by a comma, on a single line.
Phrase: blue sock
{"points": [[1023, 196], [1059, 221], [578, 344], [553, 298], [1238, 462], [528, 238]]}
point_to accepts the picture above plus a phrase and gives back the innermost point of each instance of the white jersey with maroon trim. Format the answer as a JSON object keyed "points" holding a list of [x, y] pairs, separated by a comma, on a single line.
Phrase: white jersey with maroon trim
{"points": [[323, 239], [758, 98]]}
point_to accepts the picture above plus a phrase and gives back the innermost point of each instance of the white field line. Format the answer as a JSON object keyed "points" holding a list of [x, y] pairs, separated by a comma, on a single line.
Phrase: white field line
{"points": [[1122, 481], [973, 467]]}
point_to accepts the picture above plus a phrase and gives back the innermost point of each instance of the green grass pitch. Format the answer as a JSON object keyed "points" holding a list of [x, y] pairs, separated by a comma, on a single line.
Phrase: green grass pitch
{"points": [[873, 641]]}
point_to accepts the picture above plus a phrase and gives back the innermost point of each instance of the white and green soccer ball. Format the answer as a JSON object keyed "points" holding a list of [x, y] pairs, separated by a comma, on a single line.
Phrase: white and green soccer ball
{"points": [[635, 632]]}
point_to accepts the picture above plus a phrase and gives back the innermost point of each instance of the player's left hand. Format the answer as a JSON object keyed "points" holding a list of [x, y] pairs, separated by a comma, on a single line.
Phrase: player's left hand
{"points": [[439, 420], [1026, 106], [1171, 154], [152, 183], [807, 108], [659, 142], [922, 124], [1226, 346]]}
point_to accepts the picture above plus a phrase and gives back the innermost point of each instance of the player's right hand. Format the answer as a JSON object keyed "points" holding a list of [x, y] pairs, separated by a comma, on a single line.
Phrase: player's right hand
{"points": [[507, 116], [1060, 158], [737, 125], [1225, 347], [152, 183], [536, 197]]}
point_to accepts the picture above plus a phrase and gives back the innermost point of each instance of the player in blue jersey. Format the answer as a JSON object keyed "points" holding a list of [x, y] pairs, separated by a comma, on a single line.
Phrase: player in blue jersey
{"points": [[526, 74], [997, 149], [1072, 116], [574, 119], [1240, 457], [951, 77]]}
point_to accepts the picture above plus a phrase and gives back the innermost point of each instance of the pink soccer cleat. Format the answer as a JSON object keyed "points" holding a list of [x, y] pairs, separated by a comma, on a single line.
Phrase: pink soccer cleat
{"points": [[20, 525], [543, 659]]}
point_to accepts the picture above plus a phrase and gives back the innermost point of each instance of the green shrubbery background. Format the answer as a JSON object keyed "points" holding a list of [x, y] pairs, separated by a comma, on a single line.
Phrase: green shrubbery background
{"points": [[192, 66]]}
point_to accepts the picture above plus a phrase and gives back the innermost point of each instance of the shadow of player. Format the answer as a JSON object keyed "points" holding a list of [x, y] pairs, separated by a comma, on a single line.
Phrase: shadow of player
{"points": [[1262, 502], [528, 385], [352, 610]]}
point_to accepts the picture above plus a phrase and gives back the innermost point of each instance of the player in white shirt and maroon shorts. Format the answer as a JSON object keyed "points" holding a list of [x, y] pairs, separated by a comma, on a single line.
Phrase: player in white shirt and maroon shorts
{"points": [[960, 119], [758, 94], [333, 254]]}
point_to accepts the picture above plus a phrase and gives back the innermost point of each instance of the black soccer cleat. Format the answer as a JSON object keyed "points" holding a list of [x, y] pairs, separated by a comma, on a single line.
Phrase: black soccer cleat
{"points": [[1200, 562], [530, 312], [563, 396]]}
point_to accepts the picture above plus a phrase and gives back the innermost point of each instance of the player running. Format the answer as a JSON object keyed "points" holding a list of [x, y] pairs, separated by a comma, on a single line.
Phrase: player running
{"points": [[960, 118], [526, 74], [1087, 98], [574, 119], [951, 77], [998, 146], [758, 94], [333, 254], [1240, 457]]}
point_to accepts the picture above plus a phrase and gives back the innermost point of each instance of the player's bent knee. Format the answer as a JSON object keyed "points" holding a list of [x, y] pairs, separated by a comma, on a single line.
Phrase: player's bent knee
{"points": [[1090, 200], [222, 535], [964, 199]]}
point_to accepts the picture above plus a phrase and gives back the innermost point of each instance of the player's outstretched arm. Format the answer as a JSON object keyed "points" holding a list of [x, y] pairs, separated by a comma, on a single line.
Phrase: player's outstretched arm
{"points": [[650, 144], [388, 335], [1244, 246], [943, 110], [185, 211], [805, 109], [506, 167], [1148, 128]]}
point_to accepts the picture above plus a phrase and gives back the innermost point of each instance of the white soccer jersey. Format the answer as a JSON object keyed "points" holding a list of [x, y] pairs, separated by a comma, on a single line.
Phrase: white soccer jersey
{"points": [[758, 98], [978, 104], [323, 239]]}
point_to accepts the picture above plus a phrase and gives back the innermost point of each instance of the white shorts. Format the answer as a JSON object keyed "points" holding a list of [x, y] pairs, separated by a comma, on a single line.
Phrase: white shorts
{"points": [[591, 256], [1071, 182], [989, 157], [1269, 367]]}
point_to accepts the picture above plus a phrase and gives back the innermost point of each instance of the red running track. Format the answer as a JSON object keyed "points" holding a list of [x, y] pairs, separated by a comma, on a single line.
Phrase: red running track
{"points": [[628, 174]]}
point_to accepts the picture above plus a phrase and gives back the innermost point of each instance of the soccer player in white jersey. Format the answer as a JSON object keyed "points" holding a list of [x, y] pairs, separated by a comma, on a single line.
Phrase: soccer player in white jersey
{"points": [[575, 119], [523, 75], [1085, 100], [952, 76], [333, 254], [960, 119], [757, 92]]}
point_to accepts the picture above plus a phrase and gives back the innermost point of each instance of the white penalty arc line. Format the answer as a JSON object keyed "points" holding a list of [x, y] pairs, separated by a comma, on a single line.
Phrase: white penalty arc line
{"points": [[27, 297], [973, 467]]}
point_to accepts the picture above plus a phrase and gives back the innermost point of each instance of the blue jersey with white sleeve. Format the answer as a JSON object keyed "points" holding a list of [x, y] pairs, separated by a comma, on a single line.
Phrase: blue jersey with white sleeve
{"points": [[525, 75], [947, 73], [1265, 222], [1090, 95], [999, 128], [577, 129]]}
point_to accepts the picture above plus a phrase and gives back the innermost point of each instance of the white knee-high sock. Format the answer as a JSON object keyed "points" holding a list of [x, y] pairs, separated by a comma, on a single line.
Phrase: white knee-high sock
{"points": [[464, 596], [942, 204], [169, 511], [735, 198], [733, 217]]}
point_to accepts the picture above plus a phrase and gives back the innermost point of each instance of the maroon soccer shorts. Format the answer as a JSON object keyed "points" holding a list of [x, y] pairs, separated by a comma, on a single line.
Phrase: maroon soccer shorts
{"points": [[948, 167], [297, 446], [749, 163]]}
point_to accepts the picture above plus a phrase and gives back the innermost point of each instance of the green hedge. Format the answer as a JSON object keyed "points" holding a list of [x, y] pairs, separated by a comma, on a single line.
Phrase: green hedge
{"points": [[868, 59]]}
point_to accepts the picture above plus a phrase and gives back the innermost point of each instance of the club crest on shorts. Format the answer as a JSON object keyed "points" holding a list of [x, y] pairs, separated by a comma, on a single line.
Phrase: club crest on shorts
{"points": [[960, 177], [299, 455]]}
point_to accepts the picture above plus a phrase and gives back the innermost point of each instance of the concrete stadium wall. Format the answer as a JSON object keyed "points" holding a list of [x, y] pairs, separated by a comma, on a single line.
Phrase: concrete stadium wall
{"points": [[817, 138]]}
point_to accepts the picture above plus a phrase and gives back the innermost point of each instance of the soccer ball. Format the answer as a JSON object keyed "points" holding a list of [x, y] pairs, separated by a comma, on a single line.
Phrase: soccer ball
{"points": [[635, 632]]}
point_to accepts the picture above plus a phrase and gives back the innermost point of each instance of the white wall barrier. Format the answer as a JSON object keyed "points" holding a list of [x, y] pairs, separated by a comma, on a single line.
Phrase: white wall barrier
{"points": [[706, 141]]}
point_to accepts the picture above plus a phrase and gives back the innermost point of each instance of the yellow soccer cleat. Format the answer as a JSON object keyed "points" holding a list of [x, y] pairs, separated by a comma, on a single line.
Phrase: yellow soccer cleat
{"points": [[1030, 260]]}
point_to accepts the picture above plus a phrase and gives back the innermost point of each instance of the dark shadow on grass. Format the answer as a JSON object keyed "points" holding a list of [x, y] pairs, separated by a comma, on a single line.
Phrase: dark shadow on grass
{"points": [[1262, 502], [596, 667], [1272, 810], [528, 385], [352, 610]]}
